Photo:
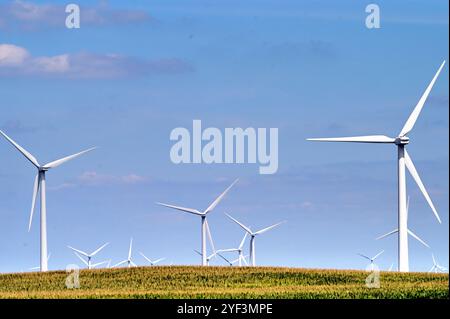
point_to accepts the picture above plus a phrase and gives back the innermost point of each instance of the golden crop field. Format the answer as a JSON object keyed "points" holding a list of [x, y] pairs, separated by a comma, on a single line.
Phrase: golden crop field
{"points": [[222, 282]]}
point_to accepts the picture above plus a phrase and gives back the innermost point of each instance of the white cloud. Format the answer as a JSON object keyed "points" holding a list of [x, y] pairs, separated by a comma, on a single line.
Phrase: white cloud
{"points": [[17, 61], [12, 55]]}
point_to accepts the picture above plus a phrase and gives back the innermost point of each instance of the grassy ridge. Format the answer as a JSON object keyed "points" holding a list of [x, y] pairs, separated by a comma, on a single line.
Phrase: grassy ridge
{"points": [[223, 282]]}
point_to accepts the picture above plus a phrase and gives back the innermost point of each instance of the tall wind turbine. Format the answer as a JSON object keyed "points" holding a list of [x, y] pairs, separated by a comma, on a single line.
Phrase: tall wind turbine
{"points": [[409, 231], [253, 236], [88, 262], [404, 160], [372, 259], [152, 262], [127, 261], [39, 186], [202, 215], [239, 250]]}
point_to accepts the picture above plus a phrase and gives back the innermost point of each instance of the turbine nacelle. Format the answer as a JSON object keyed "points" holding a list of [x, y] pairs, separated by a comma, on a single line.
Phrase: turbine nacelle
{"points": [[401, 140]]}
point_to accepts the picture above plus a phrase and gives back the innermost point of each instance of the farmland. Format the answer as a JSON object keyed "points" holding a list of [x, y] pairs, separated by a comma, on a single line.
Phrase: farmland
{"points": [[222, 282]]}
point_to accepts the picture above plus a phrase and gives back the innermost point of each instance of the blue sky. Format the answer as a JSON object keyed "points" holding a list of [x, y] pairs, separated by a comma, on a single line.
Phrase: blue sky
{"points": [[309, 68]]}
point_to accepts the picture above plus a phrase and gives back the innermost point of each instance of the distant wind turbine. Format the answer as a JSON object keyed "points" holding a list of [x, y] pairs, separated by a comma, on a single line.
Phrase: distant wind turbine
{"points": [[127, 261], [436, 267], [152, 262], [39, 186], [203, 215], [409, 231], [372, 259], [88, 257], [232, 262], [404, 160], [239, 250], [253, 235]]}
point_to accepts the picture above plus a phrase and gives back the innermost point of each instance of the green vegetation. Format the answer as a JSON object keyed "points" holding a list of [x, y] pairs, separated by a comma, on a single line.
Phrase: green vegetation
{"points": [[222, 282]]}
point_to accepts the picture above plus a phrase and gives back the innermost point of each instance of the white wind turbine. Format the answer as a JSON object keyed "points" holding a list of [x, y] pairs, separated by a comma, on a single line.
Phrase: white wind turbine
{"points": [[127, 261], [203, 218], [39, 186], [239, 250], [211, 242], [152, 262], [436, 267], [404, 160], [409, 231], [88, 262], [372, 259], [253, 235]]}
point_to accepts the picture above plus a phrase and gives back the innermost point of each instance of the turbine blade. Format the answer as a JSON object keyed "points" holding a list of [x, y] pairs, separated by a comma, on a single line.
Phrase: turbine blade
{"points": [[98, 250], [431, 269], [24, 152], [244, 259], [218, 199], [183, 209], [227, 250], [356, 139], [98, 264], [224, 258], [151, 262], [243, 241], [242, 225], [364, 256], [434, 260], [198, 252], [66, 159], [387, 234], [129, 251], [78, 251], [81, 258], [158, 260], [36, 187], [415, 113], [259, 232], [412, 169], [210, 237], [418, 239], [132, 263], [377, 255], [121, 263]]}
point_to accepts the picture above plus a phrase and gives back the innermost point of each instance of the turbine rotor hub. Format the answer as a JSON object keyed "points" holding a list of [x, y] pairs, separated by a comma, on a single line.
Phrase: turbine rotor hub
{"points": [[402, 140]]}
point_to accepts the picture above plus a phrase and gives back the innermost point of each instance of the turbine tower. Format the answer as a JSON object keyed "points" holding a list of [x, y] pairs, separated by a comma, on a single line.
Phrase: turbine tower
{"points": [[404, 160], [253, 236], [39, 186], [203, 218], [88, 263]]}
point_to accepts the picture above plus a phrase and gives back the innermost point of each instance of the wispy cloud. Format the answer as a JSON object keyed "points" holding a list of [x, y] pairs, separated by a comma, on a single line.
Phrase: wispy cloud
{"points": [[18, 61], [28, 16]]}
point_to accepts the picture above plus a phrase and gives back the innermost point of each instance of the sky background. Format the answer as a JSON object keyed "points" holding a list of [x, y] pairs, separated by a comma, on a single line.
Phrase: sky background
{"points": [[135, 71]]}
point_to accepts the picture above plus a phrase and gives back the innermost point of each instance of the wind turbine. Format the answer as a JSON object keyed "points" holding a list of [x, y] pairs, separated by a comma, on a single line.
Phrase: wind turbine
{"points": [[409, 231], [88, 263], [152, 262], [202, 215], [404, 160], [372, 259], [253, 235], [239, 250], [127, 261], [391, 267], [39, 186], [436, 267]]}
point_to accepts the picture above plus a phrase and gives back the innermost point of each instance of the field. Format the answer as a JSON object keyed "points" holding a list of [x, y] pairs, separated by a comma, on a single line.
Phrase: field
{"points": [[222, 282]]}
